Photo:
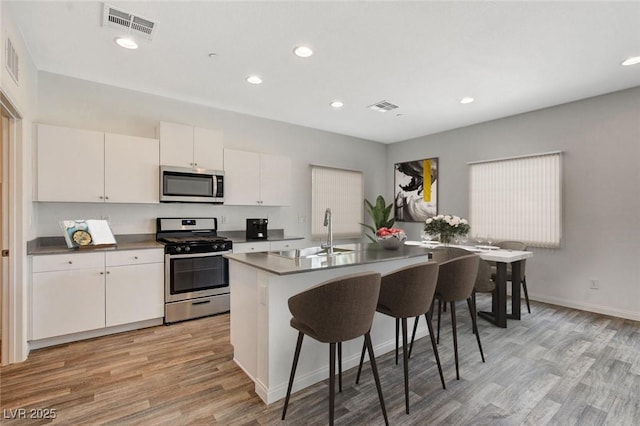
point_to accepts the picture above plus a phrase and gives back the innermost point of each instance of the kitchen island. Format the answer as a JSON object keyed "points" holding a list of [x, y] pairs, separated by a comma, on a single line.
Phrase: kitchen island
{"points": [[262, 339]]}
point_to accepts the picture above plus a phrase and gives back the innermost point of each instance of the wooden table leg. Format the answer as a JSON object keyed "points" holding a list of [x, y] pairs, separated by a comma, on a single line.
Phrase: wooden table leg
{"points": [[499, 303], [515, 290]]}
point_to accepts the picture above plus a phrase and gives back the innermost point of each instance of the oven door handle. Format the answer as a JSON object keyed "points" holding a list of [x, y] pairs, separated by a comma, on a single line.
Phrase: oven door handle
{"points": [[209, 254]]}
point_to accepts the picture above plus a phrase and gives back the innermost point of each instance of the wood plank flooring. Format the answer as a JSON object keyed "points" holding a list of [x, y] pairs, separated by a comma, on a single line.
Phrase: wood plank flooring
{"points": [[556, 366]]}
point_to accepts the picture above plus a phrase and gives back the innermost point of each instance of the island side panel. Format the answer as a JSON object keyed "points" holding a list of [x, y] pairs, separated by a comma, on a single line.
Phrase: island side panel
{"points": [[274, 362], [244, 316]]}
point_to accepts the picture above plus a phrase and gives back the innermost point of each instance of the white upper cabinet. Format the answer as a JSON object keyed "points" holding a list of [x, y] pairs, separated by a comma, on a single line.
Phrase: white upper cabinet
{"points": [[275, 180], [188, 146], [70, 164], [131, 167], [256, 179], [86, 166]]}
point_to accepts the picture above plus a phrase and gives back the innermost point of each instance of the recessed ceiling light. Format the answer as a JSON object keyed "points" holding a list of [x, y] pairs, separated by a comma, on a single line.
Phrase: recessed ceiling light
{"points": [[303, 51], [466, 100], [631, 61], [213, 55], [337, 104], [254, 79], [127, 43]]}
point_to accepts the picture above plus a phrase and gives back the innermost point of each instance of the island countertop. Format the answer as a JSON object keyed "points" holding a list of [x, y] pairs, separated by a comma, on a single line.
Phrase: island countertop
{"points": [[359, 254]]}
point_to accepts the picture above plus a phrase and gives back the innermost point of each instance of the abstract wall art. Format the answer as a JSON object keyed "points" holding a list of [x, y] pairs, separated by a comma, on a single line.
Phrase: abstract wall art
{"points": [[416, 190]]}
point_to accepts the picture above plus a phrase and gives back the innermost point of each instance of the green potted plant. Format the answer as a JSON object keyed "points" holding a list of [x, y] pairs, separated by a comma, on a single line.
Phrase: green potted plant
{"points": [[380, 214]]}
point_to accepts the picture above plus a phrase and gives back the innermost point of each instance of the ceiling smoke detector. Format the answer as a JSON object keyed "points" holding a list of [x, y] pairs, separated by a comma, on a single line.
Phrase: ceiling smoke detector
{"points": [[383, 106], [133, 24]]}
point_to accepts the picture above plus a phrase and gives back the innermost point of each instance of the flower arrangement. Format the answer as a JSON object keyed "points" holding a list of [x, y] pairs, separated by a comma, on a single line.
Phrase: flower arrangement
{"points": [[447, 226]]}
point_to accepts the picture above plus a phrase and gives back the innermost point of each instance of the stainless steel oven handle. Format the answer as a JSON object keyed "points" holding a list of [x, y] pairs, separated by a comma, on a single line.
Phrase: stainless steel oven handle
{"points": [[209, 254]]}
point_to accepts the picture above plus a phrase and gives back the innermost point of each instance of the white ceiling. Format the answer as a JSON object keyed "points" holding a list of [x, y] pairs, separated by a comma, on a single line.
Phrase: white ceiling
{"points": [[512, 57]]}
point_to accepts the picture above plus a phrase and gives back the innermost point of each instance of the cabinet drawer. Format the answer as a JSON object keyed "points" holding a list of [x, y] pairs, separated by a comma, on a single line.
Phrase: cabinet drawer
{"points": [[251, 247], [287, 245], [135, 257], [67, 262]]}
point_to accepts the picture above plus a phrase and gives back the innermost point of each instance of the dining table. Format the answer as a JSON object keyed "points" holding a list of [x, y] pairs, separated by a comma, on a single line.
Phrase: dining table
{"points": [[502, 258]]}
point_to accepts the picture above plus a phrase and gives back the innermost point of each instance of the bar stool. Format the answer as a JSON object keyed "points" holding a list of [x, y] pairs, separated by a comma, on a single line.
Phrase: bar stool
{"points": [[456, 280], [333, 312], [405, 293]]}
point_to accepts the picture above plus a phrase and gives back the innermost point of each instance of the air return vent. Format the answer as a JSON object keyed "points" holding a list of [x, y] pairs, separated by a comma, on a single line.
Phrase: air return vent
{"points": [[382, 106], [12, 61], [133, 24]]}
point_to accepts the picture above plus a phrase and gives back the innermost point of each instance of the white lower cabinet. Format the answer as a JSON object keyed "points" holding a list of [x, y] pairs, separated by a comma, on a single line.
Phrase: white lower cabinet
{"points": [[66, 302], [133, 292], [78, 292]]}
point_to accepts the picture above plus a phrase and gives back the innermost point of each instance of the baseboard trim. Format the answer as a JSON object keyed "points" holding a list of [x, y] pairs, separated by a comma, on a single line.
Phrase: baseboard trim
{"points": [[598, 309], [74, 337]]}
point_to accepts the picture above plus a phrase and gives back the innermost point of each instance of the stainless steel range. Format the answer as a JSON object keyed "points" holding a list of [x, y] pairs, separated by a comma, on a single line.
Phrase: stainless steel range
{"points": [[196, 273]]}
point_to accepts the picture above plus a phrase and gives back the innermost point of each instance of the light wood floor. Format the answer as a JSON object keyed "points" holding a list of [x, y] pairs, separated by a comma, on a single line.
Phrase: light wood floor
{"points": [[556, 366]]}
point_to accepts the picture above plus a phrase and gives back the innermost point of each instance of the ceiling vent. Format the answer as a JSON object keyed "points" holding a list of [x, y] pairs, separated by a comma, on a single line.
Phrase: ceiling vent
{"points": [[382, 106], [12, 61], [133, 24]]}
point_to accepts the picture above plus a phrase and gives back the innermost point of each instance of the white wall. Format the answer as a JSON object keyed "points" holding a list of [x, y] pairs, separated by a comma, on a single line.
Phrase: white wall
{"points": [[600, 138], [77, 103]]}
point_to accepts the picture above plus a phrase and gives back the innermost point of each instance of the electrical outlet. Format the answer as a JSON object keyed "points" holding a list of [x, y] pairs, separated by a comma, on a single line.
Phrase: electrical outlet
{"points": [[595, 284], [301, 219]]}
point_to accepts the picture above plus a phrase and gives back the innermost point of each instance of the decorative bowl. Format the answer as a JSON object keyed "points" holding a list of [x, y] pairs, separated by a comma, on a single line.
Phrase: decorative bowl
{"points": [[393, 241]]}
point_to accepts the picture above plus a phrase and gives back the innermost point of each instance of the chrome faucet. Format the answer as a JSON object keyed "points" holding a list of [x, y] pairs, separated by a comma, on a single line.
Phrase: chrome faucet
{"points": [[327, 222]]}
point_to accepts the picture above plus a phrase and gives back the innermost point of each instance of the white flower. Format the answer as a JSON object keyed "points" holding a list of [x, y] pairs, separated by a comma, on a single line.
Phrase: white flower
{"points": [[429, 221], [455, 221], [464, 221]]}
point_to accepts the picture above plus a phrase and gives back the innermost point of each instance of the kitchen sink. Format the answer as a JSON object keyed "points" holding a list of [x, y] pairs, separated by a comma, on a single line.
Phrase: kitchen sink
{"points": [[310, 252]]}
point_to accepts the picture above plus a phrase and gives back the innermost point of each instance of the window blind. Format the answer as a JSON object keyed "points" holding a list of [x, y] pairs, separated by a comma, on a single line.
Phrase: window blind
{"points": [[517, 199], [341, 191]]}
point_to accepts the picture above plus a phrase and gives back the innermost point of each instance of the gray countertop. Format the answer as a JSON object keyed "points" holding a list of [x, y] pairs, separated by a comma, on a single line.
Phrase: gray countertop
{"points": [[361, 254], [57, 245]]}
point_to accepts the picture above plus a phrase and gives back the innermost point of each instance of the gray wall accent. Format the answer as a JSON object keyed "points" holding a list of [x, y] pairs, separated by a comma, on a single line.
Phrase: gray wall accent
{"points": [[600, 138], [77, 103]]}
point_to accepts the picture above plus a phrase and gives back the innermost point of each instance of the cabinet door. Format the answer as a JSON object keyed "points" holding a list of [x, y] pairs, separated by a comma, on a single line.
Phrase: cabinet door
{"points": [[134, 293], [208, 149], [176, 144], [70, 164], [65, 302], [275, 180], [132, 167], [241, 178]]}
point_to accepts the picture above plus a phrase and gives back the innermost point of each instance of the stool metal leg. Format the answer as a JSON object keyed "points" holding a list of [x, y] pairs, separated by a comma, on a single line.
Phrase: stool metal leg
{"points": [[332, 381], [296, 356], [364, 348], [397, 332], [472, 311], [435, 348], [405, 361], [455, 337], [374, 369], [413, 334], [340, 366]]}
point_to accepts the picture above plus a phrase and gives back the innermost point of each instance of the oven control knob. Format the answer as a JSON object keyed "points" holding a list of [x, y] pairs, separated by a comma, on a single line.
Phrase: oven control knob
{"points": [[187, 249], [178, 249]]}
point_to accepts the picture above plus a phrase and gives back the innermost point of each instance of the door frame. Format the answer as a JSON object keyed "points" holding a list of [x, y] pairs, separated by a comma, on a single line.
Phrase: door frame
{"points": [[14, 290]]}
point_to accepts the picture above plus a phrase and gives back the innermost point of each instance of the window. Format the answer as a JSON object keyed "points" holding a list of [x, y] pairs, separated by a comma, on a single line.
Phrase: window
{"points": [[341, 191], [517, 199]]}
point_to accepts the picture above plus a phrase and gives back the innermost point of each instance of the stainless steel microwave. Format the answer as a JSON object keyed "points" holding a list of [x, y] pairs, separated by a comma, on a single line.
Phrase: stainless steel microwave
{"points": [[185, 185]]}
